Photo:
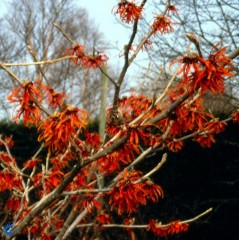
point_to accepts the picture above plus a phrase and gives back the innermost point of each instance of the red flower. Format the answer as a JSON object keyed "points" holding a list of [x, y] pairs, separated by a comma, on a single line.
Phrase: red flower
{"points": [[127, 197], [154, 191], [216, 126], [54, 179], [31, 163], [51, 180], [205, 74], [190, 63], [128, 11], [94, 61], [79, 181], [164, 230], [84, 60], [28, 97], [58, 130], [103, 218], [76, 50], [175, 145], [8, 181], [235, 116], [129, 194], [212, 72], [8, 141], [5, 158], [172, 9], [89, 202], [60, 162], [14, 203], [205, 140], [92, 141], [162, 24], [54, 99]]}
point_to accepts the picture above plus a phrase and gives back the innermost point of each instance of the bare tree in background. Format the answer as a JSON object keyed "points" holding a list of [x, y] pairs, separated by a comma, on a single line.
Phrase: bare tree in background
{"points": [[27, 30], [211, 21]]}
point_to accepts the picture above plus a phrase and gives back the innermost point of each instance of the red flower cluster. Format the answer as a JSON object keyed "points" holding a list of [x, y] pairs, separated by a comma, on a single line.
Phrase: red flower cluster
{"points": [[76, 50], [128, 11], [205, 140], [89, 202], [54, 99], [31, 163], [131, 107], [206, 74], [14, 203], [103, 218], [8, 141], [162, 24], [6, 159], [47, 182], [27, 97], [175, 145], [112, 162], [164, 230], [42, 225], [235, 116], [98, 59], [94, 61], [60, 129], [128, 195], [9, 181]]}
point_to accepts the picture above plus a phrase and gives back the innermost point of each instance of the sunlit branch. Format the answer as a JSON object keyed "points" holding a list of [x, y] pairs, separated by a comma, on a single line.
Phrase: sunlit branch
{"points": [[69, 220], [39, 63], [165, 113], [234, 54], [77, 220], [65, 193], [63, 204], [143, 225], [198, 216], [160, 98]]}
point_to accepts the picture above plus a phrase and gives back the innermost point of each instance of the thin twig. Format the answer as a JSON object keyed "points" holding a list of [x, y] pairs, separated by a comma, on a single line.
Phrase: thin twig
{"points": [[64, 34], [155, 169], [198, 216], [167, 87], [10, 73], [107, 75]]}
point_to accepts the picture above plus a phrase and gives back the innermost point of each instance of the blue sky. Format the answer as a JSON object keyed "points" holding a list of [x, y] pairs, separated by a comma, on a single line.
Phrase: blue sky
{"points": [[111, 27], [101, 12]]}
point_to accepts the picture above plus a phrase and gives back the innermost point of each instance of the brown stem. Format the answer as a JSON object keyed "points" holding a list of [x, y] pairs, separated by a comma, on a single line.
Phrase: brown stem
{"points": [[126, 62]]}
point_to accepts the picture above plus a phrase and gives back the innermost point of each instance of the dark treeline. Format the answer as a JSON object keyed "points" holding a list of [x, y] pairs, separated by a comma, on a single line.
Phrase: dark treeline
{"points": [[194, 180]]}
